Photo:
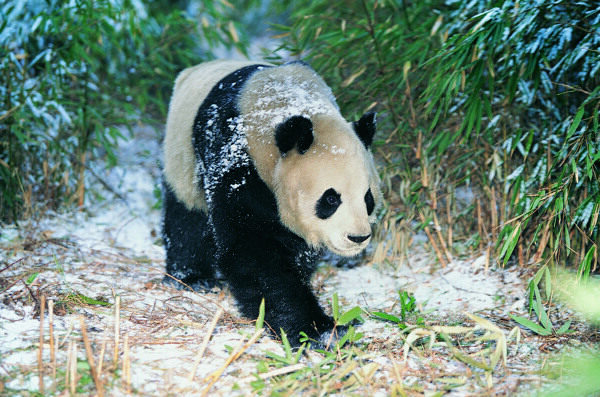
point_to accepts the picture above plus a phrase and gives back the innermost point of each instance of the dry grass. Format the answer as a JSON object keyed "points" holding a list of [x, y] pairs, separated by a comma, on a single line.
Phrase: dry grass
{"points": [[161, 339]]}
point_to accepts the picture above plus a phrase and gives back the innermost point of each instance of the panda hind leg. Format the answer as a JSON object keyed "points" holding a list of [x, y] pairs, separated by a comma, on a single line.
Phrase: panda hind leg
{"points": [[189, 244]]}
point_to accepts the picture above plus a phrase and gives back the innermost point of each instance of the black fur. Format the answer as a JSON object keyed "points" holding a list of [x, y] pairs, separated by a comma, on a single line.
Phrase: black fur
{"points": [[241, 237], [370, 202], [365, 128], [295, 131], [189, 244], [328, 203]]}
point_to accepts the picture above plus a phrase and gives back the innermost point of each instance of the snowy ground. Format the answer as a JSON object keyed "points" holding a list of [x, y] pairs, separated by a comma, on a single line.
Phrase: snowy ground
{"points": [[112, 248]]}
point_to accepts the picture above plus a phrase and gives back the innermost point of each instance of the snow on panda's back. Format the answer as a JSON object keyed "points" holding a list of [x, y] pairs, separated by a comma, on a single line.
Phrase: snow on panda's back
{"points": [[191, 88]]}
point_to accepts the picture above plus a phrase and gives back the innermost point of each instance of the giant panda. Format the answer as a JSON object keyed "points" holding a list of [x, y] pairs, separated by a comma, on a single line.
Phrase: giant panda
{"points": [[261, 173]]}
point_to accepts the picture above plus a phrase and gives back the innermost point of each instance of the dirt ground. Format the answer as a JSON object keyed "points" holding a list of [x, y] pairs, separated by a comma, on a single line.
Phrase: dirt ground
{"points": [[458, 340]]}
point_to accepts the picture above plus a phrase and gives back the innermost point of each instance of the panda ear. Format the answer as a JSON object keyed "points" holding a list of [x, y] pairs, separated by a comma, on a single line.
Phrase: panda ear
{"points": [[295, 131], [365, 128]]}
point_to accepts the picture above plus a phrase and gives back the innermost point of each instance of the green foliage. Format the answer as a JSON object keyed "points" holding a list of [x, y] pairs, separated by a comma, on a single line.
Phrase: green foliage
{"points": [[407, 303], [290, 357], [70, 73], [260, 320], [543, 326], [347, 317], [408, 307], [524, 78]]}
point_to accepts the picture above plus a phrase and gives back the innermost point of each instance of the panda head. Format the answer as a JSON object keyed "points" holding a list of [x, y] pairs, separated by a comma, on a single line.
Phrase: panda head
{"points": [[325, 181]]}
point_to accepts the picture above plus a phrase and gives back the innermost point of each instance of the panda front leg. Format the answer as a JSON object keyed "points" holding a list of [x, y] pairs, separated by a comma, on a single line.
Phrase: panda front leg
{"points": [[189, 244], [256, 271]]}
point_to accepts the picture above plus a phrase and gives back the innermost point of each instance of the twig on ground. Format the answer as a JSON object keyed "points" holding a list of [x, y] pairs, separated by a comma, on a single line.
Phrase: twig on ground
{"points": [[11, 264], [207, 336]]}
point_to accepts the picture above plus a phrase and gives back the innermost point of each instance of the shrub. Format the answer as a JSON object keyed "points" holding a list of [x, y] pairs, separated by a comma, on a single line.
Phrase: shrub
{"points": [[70, 73], [526, 76]]}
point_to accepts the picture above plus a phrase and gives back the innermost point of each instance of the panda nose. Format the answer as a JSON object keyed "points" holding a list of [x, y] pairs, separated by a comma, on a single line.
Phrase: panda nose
{"points": [[358, 239]]}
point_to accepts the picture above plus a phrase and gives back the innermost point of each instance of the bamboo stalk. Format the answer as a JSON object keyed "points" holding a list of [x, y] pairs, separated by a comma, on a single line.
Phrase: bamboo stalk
{"points": [[90, 357], [101, 358], [234, 356], [494, 208], [126, 365], [73, 368], [68, 368], [424, 176], [207, 336], [543, 242], [438, 253], [52, 346], [488, 255], [117, 317], [480, 224], [450, 219], [81, 186], [438, 230], [41, 349], [521, 254]]}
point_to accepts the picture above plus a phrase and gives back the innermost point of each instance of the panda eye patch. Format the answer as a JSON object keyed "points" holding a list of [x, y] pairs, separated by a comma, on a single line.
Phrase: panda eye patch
{"points": [[370, 202], [328, 203]]}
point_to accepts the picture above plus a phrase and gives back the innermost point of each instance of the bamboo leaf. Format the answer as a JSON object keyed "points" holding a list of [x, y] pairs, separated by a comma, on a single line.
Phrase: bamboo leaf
{"points": [[335, 306], [510, 244], [548, 282], [386, 317], [350, 315], [564, 328], [261, 315], [538, 329], [575, 122]]}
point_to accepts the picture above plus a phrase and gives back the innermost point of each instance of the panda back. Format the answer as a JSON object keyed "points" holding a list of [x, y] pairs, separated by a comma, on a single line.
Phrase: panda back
{"points": [[181, 168]]}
